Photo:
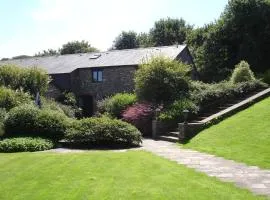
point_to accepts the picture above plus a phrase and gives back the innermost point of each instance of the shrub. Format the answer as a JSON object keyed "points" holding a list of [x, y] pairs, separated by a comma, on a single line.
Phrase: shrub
{"points": [[140, 115], [21, 121], [103, 131], [161, 80], [69, 98], [266, 76], [242, 73], [9, 145], [10, 76], [11, 98], [35, 80], [50, 104], [28, 120], [3, 114], [28, 79], [203, 94], [51, 124], [115, 105], [174, 112]]}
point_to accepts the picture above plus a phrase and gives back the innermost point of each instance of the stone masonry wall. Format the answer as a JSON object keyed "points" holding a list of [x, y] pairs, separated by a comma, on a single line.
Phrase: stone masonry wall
{"points": [[115, 79]]}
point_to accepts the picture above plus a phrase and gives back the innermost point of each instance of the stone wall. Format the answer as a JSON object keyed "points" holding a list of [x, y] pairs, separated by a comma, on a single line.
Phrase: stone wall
{"points": [[115, 79]]}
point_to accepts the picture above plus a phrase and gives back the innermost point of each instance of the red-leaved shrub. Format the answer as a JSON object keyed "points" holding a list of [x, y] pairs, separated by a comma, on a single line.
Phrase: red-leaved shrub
{"points": [[140, 115]]}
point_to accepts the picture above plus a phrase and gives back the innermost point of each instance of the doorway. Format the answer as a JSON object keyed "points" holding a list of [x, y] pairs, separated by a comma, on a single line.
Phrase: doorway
{"points": [[87, 105]]}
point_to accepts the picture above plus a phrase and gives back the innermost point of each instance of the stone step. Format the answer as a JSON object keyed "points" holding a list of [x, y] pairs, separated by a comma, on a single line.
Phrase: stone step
{"points": [[168, 138], [173, 133]]}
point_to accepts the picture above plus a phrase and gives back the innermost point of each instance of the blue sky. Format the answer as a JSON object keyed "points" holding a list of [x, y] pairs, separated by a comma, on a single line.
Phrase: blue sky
{"points": [[29, 26]]}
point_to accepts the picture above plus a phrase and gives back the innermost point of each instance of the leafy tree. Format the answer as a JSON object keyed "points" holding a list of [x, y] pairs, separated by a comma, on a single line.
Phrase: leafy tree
{"points": [[170, 31], [162, 80], [126, 40], [77, 47], [145, 40], [4, 59], [241, 33], [49, 52]]}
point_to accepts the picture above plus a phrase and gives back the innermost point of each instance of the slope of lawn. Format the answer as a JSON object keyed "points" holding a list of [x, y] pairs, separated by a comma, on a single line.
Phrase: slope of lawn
{"points": [[106, 175], [244, 137]]}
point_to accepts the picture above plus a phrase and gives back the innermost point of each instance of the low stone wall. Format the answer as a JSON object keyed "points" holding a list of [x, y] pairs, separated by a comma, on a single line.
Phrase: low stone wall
{"points": [[160, 127]]}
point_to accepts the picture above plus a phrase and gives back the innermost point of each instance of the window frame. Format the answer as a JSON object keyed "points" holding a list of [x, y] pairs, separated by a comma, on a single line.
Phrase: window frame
{"points": [[97, 75]]}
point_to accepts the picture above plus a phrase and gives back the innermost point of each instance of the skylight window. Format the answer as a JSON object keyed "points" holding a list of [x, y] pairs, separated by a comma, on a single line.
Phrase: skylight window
{"points": [[95, 56]]}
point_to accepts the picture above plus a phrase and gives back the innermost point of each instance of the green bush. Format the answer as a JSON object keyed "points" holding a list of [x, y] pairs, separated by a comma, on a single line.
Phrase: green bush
{"points": [[174, 112], [162, 80], [27, 120], [10, 145], [3, 115], [21, 121], [10, 76], [30, 80], [51, 124], [115, 105], [266, 76], [203, 94], [51, 104], [242, 73], [11, 98], [35, 80], [103, 131]]}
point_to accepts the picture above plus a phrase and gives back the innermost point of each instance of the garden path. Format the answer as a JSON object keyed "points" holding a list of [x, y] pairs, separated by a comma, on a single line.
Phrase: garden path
{"points": [[250, 177]]}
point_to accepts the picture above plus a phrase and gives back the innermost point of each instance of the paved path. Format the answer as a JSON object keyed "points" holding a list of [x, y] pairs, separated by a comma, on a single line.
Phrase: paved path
{"points": [[249, 177]]}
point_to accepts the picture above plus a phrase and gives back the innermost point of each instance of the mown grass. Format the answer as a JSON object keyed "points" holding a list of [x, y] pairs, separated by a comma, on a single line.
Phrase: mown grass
{"points": [[106, 175], [244, 137]]}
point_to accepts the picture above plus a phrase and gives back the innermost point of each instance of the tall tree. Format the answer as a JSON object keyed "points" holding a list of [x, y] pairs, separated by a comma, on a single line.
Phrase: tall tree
{"points": [[170, 31], [126, 40], [145, 40], [241, 33], [77, 47]]}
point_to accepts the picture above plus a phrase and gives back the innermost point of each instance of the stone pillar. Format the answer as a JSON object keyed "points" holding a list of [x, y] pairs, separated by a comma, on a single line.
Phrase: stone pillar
{"points": [[182, 131], [154, 128]]}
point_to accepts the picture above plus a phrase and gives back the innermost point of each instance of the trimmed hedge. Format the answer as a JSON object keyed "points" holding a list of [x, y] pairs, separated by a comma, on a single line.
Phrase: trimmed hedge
{"points": [[10, 145], [116, 104], [10, 98], [28, 120], [103, 130]]}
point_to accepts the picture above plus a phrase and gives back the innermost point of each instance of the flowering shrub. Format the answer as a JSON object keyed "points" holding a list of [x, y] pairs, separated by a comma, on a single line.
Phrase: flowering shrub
{"points": [[116, 104], [140, 115]]}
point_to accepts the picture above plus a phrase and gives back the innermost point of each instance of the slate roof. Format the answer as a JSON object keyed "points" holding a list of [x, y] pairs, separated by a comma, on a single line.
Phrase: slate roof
{"points": [[68, 63]]}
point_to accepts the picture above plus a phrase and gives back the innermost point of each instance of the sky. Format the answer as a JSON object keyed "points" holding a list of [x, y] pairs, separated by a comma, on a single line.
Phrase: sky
{"points": [[30, 26]]}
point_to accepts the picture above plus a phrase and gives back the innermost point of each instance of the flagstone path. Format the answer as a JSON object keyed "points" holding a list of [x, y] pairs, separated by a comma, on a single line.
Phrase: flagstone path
{"points": [[250, 177]]}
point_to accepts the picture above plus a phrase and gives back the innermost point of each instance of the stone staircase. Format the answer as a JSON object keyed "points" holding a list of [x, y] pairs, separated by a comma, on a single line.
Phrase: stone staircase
{"points": [[226, 109]]}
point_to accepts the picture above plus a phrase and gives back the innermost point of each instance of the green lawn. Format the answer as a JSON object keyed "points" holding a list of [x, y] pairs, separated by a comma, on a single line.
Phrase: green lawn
{"points": [[106, 175], [244, 137]]}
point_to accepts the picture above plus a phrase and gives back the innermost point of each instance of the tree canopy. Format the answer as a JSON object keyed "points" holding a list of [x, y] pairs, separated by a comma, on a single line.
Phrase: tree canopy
{"points": [[170, 31], [126, 40], [77, 47], [241, 33]]}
